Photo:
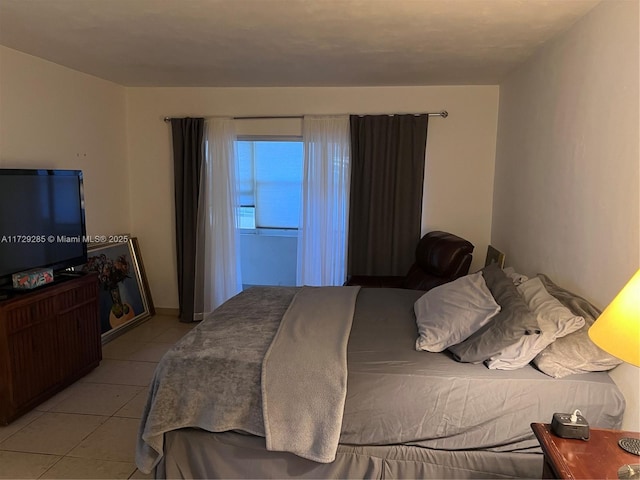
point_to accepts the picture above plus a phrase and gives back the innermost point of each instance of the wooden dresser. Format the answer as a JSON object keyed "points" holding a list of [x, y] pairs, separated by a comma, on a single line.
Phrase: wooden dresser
{"points": [[49, 338]]}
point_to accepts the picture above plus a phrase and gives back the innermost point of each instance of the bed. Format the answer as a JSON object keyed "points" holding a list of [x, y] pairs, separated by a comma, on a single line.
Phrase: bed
{"points": [[345, 395]]}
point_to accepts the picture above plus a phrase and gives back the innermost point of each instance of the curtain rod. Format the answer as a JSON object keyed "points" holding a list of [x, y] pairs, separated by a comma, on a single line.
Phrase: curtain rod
{"points": [[443, 114]]}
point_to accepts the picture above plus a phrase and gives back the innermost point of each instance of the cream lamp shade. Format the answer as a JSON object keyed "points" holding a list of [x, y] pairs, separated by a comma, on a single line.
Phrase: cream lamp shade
{"points": [[617, 330]]}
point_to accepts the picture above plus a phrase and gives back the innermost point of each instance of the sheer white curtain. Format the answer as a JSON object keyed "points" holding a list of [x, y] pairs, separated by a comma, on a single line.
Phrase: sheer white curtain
{"points": [[218, 275], [322, 242]]}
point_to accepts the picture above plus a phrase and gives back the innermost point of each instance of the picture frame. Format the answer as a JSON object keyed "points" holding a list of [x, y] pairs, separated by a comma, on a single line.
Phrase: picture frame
{"points": [[494, 256], [124, 295]]}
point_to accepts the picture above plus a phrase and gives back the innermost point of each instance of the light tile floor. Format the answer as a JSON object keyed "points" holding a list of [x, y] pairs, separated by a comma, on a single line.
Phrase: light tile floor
{"points": [[89, 429]]}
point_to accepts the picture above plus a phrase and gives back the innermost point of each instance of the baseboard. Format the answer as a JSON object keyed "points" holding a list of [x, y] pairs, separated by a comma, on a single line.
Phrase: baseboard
{"points": [[169, 312]]}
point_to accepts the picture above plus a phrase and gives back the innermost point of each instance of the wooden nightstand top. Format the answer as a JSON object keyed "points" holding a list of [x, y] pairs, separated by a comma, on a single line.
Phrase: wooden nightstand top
{"points": [[598, 457]]}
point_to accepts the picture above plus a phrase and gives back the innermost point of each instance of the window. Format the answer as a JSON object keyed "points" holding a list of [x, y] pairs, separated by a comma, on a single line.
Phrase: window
{"points": [[270, 183]]}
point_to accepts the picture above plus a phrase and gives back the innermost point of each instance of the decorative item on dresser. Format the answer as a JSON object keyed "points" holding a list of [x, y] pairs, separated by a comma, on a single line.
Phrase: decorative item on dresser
{"points": [[49, 338]]}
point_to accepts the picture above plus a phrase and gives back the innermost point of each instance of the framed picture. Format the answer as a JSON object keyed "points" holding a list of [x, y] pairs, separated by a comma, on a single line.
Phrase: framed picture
{"points": [[494, 256], [125, 299]]}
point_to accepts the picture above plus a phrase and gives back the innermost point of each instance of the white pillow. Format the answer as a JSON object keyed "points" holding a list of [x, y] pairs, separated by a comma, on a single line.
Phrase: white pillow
{"points": [[555, 321], [517, 278], [449, 313]]}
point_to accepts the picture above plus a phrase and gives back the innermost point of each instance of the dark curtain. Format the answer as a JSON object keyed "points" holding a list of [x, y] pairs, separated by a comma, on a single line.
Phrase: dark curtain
{"points": [[188, 151], [387, 172]]}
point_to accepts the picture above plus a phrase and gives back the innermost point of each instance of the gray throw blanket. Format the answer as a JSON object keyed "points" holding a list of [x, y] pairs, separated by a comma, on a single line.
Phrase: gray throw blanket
{"points": [[211, 379], [304, 374]]}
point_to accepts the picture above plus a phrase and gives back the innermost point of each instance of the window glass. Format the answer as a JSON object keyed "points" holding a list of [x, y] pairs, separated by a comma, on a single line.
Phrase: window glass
{"points": [[270, 183]]}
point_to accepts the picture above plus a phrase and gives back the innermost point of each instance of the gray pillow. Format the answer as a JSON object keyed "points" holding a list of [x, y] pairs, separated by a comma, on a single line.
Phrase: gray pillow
{"points": [[575, 353], [448, 314], [555, 321], [514, 320]]}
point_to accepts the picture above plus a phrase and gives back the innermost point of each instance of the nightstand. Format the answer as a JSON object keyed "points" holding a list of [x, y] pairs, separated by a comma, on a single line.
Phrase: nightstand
{"points": [[598, 457]]}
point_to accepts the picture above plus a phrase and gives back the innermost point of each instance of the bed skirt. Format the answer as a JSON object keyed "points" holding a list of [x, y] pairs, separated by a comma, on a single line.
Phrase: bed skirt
{"points": [[193, 453]]}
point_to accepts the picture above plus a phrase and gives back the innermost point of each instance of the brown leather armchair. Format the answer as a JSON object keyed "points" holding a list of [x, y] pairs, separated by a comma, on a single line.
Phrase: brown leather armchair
{"points": [[440, 258]]}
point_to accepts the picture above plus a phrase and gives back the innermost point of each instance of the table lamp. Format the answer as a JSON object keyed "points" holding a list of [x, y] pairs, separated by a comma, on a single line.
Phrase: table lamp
{"points": [[617, 331]]}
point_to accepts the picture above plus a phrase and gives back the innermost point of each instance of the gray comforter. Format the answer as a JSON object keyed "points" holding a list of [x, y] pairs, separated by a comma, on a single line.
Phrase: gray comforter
{"points": [[269, 362]]}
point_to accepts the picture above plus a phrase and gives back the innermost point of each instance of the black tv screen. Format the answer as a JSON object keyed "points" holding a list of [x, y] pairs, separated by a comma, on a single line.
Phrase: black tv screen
{"points": [[42, 222]]}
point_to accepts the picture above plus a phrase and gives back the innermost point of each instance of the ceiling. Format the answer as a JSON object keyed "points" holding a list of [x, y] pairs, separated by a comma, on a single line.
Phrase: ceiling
{"points": [[287, 42]]}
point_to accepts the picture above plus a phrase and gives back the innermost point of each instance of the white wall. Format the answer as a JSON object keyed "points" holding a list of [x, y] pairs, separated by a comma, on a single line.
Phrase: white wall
{"points": [[459, 167], [55, 117], [567, 167]]}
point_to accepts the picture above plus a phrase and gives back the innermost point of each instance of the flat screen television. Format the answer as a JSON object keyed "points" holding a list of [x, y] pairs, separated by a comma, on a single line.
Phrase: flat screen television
{"points": [[42, 220]]}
